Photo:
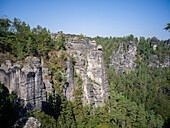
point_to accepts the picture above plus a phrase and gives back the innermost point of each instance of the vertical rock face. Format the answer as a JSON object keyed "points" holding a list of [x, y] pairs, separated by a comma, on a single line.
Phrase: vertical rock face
{"points": [[69, 74], [32, 82], [26, 80], [90, 66], [122, 60]]}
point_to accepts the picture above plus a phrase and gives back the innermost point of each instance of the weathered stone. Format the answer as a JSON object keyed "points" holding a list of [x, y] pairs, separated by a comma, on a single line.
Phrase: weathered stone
{"points": [[69, 74], [26, 79], [122, 60], [47, 80], [27, 122], [75, 40], [155, 57], [99, 47], [90, 66], [158, 64]]}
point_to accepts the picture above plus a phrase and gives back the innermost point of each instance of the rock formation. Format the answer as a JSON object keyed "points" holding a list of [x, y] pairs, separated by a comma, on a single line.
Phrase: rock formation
{"points": [[32, 82], [27, 122], [69, 85], [26, 79], [156, 63], [123, 61], [90, 66]]}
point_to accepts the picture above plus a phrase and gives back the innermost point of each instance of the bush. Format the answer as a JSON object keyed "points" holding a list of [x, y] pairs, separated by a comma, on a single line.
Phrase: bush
{"points": [[45, 120]]}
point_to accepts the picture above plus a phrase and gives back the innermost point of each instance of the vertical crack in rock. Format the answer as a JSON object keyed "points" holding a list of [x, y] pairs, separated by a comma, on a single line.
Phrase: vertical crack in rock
{"points": [[90, 66], [123, 61], [26, 80]]}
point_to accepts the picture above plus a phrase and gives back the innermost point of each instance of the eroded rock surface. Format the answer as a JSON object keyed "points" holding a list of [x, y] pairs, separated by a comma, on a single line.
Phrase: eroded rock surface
{"points": [[90, 66], [26, 79], [156, 62], [27, 122], [68, 88], [123, 61], [32, 81]]}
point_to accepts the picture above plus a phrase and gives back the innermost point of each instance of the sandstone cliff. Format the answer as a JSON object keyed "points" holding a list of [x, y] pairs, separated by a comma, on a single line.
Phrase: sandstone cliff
{"points": [[90, 66], [122, 60], [26, 79], [32, 84]]}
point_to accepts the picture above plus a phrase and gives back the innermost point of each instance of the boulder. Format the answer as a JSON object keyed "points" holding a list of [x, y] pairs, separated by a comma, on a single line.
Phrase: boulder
{"points": [[27, 122]]}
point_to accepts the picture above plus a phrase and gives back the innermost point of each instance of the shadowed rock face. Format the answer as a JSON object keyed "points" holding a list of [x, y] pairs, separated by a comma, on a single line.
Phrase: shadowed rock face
{"points": [[122, 60], [90, 66], [26, 80]]}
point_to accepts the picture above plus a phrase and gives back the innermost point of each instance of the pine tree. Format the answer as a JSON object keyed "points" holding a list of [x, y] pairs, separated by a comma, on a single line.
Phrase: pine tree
{"points": [[30, 46], [77, 104], [20, 51]]}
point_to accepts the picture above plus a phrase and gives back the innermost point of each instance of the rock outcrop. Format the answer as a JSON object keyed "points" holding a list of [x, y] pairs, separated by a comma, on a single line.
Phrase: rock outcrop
{"points": [[123, 61], [69, 85], [27, 122], [156, 63], [26, 79], [32, 82], [90, 66]]}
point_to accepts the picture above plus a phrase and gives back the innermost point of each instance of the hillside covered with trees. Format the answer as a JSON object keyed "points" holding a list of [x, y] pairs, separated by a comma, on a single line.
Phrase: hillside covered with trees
{"points": [[139, 99]]}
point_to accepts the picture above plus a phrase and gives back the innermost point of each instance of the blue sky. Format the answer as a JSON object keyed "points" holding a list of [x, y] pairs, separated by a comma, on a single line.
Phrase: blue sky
{"points": [[93, 17]]}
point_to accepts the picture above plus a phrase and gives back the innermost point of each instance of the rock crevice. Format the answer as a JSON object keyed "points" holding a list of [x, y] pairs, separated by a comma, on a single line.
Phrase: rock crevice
{"points": [[26, 80], [123, 60], [90, 66]]}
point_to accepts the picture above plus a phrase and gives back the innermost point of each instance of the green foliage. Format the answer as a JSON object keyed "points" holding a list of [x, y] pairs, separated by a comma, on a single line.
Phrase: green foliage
{"points": [[20, 52], [73, 60], [101, 126], [66, 118], [45, 120], [18, 39], [148, 87], [168, 26], [61, 42], [143, 90], [77, 104], [112, 44], [137, 99]]}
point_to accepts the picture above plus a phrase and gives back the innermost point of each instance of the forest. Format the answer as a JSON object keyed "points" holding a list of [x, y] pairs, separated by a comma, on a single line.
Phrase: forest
{"points": [[139, 99]]}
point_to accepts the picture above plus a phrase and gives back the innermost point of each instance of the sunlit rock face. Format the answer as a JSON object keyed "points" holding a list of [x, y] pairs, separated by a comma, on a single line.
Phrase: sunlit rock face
{"points": [[157, 64], [123, 60], [27, 122], [32, 81], [90, 66], [26, 79]]}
